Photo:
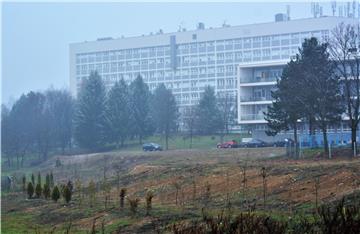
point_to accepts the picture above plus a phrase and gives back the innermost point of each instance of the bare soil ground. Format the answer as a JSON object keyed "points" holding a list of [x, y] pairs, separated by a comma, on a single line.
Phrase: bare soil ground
{"points": [[182, 177]]}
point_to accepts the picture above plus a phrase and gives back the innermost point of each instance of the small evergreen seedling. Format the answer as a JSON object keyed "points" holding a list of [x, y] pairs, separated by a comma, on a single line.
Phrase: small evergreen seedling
{"points": [[46, 191], [67, 194], [55, 194], [38, 190], [30, 190], [122, 197], [39, 178], [32, 178], [47, 179], [24, 183], [51, 180], [134, 203], [149, 197]]}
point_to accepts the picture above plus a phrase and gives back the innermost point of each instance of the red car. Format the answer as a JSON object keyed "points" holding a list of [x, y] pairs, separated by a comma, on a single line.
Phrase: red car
{"points": [[228, 144]]}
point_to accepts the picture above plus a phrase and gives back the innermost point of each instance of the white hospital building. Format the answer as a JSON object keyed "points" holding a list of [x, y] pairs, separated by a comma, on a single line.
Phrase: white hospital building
{"points": [[244, 61]]}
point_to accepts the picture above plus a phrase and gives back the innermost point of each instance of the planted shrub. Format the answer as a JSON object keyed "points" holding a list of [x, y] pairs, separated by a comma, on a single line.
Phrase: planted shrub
{"points": [[92, 192], [122, 197], [134, 203], [32, 178], [67, 194], [38, 190], [30, 190], [148, 198], [55, 194], [39, 178], [24, 183], [51, 180], [46, 191]]}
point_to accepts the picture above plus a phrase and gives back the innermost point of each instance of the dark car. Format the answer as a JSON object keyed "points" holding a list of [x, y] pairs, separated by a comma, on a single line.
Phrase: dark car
{"points": [[151, 147], [283, 143], [228, 144], [254, 143]]}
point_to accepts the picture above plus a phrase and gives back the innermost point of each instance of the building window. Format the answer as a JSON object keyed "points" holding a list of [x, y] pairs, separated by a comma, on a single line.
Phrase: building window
{"points": [[194, 36]]}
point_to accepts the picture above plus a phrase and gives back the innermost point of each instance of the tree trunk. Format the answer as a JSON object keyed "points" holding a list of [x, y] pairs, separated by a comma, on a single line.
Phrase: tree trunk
{"points": [[326, 144], [166, 141], [296, 145], [353, 139]]}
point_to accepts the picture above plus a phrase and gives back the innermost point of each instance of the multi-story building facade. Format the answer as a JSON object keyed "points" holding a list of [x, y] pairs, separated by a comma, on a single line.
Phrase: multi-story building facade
{"points": [[242, 61]]}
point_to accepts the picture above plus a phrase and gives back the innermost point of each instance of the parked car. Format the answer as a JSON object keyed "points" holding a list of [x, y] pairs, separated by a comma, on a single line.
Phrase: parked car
{"points": [[283, 143], [254, 143], [228, 144], [151, 147]]}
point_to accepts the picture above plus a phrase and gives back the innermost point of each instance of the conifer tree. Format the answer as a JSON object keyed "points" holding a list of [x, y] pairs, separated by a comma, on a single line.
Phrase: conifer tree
{"points": [[24, 183], [208, 119], [30, 190], [140, 105], [92, 192], [164, 112], [90, 113], [55, 194], [67, 194], [51, 180], [46, 191], [32, 178], [118, 114], [39, 178], [38, 190]]}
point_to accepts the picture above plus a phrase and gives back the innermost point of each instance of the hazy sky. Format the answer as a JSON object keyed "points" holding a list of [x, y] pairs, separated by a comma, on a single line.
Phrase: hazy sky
{"points": [[36, 36]]}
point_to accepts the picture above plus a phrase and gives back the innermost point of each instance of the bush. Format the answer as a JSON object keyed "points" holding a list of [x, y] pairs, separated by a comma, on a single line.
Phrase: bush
{"points": [[134, 203], [24, 183], [149, 197], [67, 194], [46, 191], [55, 194], [38, 190], [122, 197], [30, 190]]}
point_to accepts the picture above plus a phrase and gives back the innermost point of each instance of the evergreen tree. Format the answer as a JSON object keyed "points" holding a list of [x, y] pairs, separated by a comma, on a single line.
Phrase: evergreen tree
{"points": [[118, 114], [51, 180], [46, 191], [32, 178], [55, 194], [24, 183], [90, 113], [164, 112], [208, 118], [30, 190], [39, 178], [38, 190], [67, 194], [47, 180], [320, 87], [287, 107], [92, 192], [70, 186], [140, 106]]}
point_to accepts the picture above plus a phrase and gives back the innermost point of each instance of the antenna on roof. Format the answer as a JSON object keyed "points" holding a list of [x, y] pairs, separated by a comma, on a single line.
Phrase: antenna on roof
{"points": [[288, 11], [333, 6]]}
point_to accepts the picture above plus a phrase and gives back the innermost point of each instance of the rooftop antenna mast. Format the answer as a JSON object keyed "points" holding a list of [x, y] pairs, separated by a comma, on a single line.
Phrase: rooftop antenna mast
{"points": [[333, 6], [288, 12]]}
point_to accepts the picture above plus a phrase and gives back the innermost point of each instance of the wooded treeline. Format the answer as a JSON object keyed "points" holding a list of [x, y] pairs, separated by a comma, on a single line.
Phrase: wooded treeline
{"points": [[40, 123]]}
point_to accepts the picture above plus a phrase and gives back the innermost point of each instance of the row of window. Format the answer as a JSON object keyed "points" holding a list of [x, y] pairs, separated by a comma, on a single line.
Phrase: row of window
{"points": [[241, 43]]}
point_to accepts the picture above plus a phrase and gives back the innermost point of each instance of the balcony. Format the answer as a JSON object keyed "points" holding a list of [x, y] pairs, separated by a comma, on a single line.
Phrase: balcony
{"points": [[246, 117], [255, 99], [257, 79]]}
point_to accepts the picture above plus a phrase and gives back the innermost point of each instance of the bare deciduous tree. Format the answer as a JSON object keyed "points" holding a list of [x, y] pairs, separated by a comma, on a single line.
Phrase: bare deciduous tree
{"points": [[344, 49]]}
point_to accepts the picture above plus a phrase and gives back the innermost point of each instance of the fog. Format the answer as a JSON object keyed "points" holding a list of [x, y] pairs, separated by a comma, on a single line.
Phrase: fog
{"points": [[36, 36]]}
